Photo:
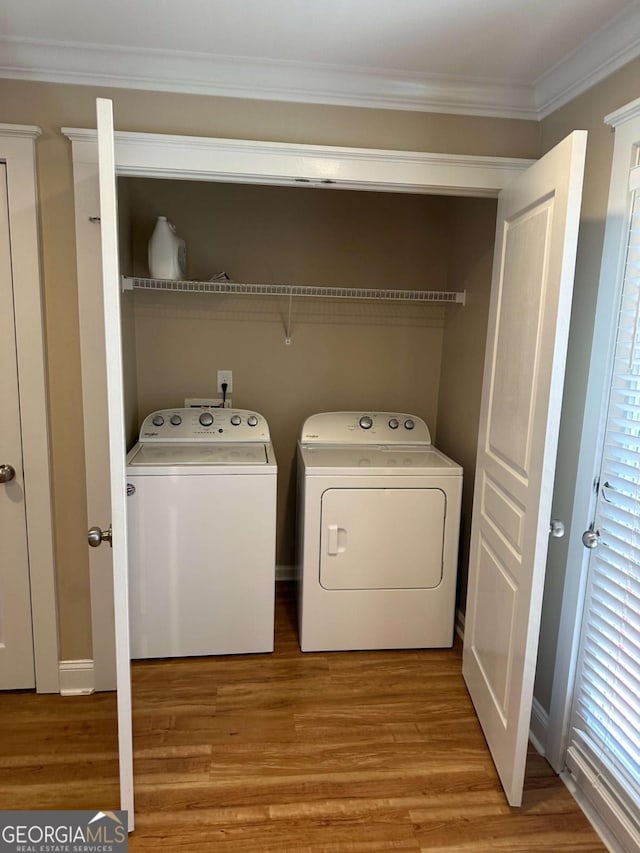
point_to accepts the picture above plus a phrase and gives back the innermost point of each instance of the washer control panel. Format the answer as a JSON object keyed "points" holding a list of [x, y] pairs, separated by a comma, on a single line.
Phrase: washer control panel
{"points": [[365, 428], [210, 425]]}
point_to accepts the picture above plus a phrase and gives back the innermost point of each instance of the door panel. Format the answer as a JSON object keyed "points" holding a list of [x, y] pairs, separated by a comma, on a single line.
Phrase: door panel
{"points": [[515, 356], [111, 295], [534, 259], [16, 638]]}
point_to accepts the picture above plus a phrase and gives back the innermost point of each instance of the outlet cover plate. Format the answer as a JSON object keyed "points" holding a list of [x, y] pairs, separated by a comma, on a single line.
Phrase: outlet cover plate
{"points": [[225, 376]]}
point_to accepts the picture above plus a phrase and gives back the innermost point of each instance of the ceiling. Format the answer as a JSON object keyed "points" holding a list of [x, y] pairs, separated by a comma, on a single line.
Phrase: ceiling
{"points": [[516, 58]]}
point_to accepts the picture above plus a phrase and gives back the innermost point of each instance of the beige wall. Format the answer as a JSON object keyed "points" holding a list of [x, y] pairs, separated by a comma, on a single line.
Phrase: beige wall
{"points": [[127, 319], [51, 106], [586, 112], [472, 237], [343, 355]]}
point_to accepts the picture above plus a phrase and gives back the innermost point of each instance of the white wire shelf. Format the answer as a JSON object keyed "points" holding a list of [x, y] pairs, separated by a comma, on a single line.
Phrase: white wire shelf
{"points": [[291, 290]]}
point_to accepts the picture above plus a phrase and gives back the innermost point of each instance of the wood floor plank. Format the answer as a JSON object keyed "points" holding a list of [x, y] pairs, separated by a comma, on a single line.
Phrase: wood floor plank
{"points": [[326, 791], [347, 835]]}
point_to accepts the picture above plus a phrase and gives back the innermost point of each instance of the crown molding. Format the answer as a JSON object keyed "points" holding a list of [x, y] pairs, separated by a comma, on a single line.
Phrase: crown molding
{"points": [[205, 74], [613, 46]]}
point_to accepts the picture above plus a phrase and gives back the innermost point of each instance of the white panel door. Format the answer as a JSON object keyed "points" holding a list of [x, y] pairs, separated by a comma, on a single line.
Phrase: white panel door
{"points": [[534, 261], [16, 639], [115, 397]]}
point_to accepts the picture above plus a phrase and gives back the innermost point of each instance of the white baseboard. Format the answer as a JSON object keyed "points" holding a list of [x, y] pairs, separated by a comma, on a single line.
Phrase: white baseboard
{"points": [[286, 573], [538, 727], [76, 677]]}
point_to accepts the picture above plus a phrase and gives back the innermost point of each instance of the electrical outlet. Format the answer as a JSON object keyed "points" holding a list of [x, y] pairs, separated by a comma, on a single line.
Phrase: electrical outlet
{"points": [[225, 376]]}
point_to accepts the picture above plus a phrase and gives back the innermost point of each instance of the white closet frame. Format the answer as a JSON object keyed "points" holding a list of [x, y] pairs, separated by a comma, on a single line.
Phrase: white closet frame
{"points": [[233, 161]]}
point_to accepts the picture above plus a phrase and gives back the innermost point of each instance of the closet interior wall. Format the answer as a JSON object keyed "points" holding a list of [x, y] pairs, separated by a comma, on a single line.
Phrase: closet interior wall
{"points": [[343, 354]]}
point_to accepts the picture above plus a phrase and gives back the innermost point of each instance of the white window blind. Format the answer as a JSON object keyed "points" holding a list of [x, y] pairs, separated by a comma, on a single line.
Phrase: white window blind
{"points": [[604, 740]]}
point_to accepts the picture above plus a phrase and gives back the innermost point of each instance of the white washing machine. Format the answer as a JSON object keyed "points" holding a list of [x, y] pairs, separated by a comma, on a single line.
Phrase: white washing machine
{"points": [[201, 505], [378, 527]]}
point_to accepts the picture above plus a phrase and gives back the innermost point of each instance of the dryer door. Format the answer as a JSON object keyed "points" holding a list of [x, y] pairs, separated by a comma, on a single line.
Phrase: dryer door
{"points": [[382, 538]]}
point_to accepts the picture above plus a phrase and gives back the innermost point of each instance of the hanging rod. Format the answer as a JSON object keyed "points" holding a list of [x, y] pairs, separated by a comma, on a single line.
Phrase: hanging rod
{"points": [[134, 283]]}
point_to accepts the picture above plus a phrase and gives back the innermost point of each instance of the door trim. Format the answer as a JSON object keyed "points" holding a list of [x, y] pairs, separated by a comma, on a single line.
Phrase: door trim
{"points": [[626, 122], [156, 155], [239, 161], [17, 150]]}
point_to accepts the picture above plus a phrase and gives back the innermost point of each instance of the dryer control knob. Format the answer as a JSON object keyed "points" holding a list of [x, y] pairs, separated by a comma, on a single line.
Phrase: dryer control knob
{"points": [[409, 424], [394, 423], [252, 420], [176, 420], [236, 420], [365, 422], [158, 420], [206, 419]]}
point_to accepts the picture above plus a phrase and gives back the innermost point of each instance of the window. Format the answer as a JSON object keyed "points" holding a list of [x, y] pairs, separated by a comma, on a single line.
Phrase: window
{"points": [[604, 738]]}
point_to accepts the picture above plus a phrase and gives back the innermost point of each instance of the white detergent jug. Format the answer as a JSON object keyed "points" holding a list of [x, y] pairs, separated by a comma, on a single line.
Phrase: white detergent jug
{"points": [[167, 252]]}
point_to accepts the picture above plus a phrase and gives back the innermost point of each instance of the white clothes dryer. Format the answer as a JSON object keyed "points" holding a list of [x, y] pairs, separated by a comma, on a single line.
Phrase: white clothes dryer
{"points": [[378, 527], [201, 488]]}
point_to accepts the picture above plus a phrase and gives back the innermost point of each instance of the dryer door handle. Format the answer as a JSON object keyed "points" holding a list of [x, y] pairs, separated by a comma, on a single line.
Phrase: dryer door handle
{"points": [[336, 540]]}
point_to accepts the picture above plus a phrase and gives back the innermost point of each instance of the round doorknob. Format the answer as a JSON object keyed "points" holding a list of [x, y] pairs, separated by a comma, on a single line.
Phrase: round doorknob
{"points": [[591, 538], [7, 473], [96, 536], [556, 528]]}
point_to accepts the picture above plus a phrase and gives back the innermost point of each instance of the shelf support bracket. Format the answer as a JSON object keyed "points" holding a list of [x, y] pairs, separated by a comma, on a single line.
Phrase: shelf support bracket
{"points": [[287, 331]]}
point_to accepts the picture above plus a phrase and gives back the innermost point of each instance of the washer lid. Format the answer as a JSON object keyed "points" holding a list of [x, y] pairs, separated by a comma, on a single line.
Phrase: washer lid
{"points": [[384, 459], [198, 454]]}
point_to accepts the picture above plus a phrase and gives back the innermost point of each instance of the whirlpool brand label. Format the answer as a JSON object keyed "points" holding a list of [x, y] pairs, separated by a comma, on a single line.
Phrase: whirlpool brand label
{"points": [[63, 832]]}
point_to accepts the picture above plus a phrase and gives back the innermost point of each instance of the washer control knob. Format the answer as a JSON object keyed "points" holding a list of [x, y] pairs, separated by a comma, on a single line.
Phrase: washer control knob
{"points": [[394, 423], [158, 420], [409, 424], [206, 419], [252, 420], [365, 422], [236, 420], [176, 420]]}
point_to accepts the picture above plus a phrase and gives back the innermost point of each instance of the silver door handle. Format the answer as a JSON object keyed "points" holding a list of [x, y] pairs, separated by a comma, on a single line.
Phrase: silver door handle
{"points": [[96, 536], [556, 528], [591, 538], [7, 473]]}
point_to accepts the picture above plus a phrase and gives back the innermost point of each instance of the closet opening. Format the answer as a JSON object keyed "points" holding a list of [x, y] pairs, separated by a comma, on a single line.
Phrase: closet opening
{"points": [[422, 358]]}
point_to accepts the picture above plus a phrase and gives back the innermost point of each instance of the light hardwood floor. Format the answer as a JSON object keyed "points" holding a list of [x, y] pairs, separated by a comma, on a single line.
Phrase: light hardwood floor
{"points": [[327, 753]]}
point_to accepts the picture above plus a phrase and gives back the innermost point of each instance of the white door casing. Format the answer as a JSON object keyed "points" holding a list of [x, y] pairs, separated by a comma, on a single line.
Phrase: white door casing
{"points": [[237, 160], [16, 641], [536, 242], [117, 447], [17, 153], [94, 401]]}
